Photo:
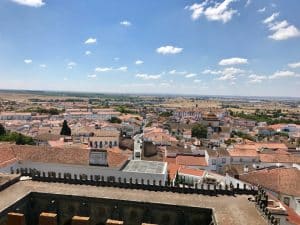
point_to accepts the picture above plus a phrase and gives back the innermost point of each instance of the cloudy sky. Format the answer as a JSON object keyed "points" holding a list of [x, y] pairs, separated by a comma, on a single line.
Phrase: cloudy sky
{"points": [[215, 47]]}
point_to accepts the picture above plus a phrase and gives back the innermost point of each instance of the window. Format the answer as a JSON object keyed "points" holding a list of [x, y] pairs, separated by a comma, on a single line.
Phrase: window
{"points": [[213, 162], [223, 160], [286, 201]]}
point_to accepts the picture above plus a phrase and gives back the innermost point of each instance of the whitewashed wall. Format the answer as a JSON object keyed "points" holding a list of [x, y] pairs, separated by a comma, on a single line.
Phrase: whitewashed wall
{"points": [[89, 170]]}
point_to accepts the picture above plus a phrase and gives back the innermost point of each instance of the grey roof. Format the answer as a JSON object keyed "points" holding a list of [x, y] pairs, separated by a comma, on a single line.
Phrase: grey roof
{"points": [[143, 166]]}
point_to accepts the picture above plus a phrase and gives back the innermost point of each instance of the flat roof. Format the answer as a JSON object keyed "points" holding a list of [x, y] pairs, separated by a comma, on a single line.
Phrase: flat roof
{"points": [[143, 166]]}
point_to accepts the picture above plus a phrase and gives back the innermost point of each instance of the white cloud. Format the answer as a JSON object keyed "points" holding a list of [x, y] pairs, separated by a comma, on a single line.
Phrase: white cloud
{"points": [[261, 10], [91, 41], [227, 77], [139, 62], [248, 3], [197, 81], [71, 65], [197, 9], [230, 73], [294, 65], [88, 52], [43, 65], [282, 30], [31, 3], [125, 23], [271, 18], [284, 33], [283, 74], [278, 25], [175, 72], [108, 69], [122, 68], [27, 61], [213, 72], [148, 76], [168, 49], [190, 75], [214, 12], [233, 61], [256, 78], [92, 76], [103, 69], [165, 84], [220, 12]]}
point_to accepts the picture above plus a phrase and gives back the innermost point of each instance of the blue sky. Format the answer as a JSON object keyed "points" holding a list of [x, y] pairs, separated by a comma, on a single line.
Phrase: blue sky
{"points": [[214, 47]]}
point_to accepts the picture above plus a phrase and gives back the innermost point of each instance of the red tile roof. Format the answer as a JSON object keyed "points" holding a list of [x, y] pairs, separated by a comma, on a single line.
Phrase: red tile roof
{"points": [[186, 160], [193, 172], [66, 155], [243, 152], [172, 170], [280, 180], [279, 158]]}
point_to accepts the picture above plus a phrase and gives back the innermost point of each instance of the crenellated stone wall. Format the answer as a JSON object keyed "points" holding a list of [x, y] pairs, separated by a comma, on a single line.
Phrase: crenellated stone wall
{"points": [[99, 210]]}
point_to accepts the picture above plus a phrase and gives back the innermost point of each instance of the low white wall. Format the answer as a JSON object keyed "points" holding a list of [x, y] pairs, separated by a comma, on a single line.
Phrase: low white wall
{"points": [[89, 170]]}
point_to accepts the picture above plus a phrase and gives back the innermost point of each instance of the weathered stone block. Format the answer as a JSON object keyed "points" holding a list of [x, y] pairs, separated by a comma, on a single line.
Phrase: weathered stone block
{"points": [[114, 222], [80, 220], [15, 219], [48, 219]]}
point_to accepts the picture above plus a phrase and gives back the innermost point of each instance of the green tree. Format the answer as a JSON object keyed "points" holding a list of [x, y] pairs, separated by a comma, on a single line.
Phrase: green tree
{"points": [[199, 131], [115, 120], [23, 140], [177, 181], [65, 130], [2, 130], [166, 114], [20, 140]]}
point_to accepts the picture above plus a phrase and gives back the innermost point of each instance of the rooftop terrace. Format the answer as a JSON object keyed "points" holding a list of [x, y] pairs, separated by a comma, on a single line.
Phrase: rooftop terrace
{"points": [[141, 166], [233, 210]]}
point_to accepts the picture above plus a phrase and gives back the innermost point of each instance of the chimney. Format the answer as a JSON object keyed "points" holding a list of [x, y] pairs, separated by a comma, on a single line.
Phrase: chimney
{"points": [[246, 169]]}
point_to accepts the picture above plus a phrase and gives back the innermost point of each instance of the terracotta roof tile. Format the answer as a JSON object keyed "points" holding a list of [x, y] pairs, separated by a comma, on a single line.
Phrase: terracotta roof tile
{"points": [[186, 160], [282, 180], [279, 158], [193, 172], [243, 152], [65, 155]]}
